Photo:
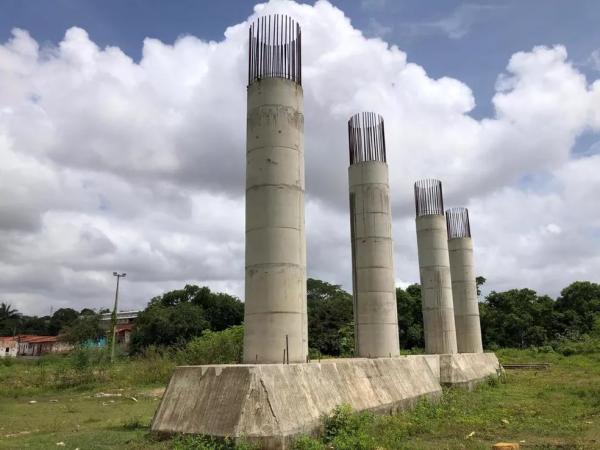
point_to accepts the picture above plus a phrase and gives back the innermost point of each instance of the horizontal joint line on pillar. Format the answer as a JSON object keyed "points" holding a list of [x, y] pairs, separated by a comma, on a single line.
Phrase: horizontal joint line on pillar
{"points": [[272, 226], [382, 238], [378, 323], [382, 183], [273, 147], [373, 267], [273, 104], [426, 308], [377, 292], [279, 185], [266, 265], [273, 312]]}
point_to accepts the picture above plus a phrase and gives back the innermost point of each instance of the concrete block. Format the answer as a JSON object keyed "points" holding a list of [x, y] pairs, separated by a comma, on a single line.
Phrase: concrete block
{"points": [[468, 369], [272, 403]]}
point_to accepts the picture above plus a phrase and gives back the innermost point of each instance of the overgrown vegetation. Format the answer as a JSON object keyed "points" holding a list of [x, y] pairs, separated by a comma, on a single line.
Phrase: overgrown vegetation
{"points": [[548, 409], [515, 318], [176, 317], [87, 368], [551, 409]]}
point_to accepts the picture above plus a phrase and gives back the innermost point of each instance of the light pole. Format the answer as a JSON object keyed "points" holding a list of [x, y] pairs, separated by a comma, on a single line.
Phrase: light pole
{"points": [[114, 317]]}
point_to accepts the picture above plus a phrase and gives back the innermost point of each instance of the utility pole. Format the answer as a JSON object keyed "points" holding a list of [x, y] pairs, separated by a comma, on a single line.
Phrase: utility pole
{"points": [[114, 317]]}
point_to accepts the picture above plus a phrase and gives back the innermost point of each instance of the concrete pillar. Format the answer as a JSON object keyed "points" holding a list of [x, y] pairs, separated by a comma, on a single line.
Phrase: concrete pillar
{"points": [[464, 287], [275, 319], [434, 269], [374, 291]]}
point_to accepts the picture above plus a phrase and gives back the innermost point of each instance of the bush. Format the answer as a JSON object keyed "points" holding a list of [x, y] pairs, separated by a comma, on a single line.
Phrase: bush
{"points": [[189, 442], [584, 346], [344, 429], [7, 362], [307, 443], [153, 366], [216, 347]]}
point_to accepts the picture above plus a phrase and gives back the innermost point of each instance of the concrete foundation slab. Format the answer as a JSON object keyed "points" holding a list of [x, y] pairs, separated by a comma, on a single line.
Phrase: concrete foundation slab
{"points": [[270, 404]]}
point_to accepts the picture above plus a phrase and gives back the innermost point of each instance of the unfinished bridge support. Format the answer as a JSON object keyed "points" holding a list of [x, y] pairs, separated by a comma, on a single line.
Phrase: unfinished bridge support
{"points": [[374, 291], [464, 287], [434, 268], [275, 320]]}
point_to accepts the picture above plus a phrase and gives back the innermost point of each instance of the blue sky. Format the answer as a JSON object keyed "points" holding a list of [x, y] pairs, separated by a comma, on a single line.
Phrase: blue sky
{"points": [[468, 40], [108, 163]]}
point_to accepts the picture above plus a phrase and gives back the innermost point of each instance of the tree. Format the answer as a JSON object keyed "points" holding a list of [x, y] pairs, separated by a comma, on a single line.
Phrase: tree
{"points": [[7, 312], [9, 318], [479, 281], [578, 308], [329, 315], [34, 325], [86, 328], [410, 317], [168, 325], [516, 318], [61, 318], [221, 310]]}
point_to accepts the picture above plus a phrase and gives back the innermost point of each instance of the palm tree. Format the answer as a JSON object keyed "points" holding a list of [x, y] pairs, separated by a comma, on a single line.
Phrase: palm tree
{"points": [[7, 312]]}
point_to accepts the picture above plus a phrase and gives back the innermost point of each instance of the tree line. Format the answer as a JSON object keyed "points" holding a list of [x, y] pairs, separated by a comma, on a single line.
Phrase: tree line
{"points": [[65, 321], [514, 318]]}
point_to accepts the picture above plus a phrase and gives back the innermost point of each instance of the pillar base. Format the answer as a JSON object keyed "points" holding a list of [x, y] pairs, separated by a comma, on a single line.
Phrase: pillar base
{"points": [[270, 404]]}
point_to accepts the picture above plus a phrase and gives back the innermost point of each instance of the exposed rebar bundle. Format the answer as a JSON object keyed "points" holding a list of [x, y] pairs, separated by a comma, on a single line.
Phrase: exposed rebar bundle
{"points": [[366, 138], [457, 223], [275, 49], [428, 197]]}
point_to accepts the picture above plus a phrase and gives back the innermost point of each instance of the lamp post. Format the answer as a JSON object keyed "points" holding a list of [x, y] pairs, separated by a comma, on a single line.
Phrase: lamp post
{"points": [[114, 317]]}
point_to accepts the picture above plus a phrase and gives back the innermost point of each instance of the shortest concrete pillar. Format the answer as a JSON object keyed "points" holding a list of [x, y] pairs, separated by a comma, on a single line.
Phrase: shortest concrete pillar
{"points": [[464, 287]]}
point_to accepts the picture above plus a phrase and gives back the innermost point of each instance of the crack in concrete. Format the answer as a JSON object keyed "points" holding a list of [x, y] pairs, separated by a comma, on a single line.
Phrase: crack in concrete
{"points": [[269, 403]]}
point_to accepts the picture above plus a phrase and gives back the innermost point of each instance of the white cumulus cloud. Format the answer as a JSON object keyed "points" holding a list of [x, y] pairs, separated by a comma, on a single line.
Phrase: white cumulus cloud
{"points": [[112, 164]]}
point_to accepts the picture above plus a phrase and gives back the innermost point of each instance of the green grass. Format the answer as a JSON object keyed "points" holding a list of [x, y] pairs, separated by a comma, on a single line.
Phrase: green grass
{"points": [[557, 408]]}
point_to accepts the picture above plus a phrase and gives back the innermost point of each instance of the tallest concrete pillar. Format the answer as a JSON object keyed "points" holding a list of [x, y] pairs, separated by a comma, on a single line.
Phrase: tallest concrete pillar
{"points": [[275, 320], [434, 268]]}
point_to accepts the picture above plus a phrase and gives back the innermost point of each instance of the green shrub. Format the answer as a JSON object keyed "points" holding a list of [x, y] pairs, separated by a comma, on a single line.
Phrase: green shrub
{"points": [[216, 347], [7, 362], [134, 423], [344, 429], [154, 365], [190, 442], [583, 346], [80, 359], [307, 443]]}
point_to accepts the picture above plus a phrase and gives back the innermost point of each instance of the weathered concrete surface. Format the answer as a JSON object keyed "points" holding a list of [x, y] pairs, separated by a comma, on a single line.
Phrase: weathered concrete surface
{"points": [[436, 285], [461, 369], [271, 403], [468, 369], [374, 290], [275, 292], [464, 294]]}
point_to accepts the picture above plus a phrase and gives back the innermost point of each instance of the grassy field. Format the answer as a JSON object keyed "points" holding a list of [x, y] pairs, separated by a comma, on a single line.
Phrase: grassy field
{"points": [[42, 407]]}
